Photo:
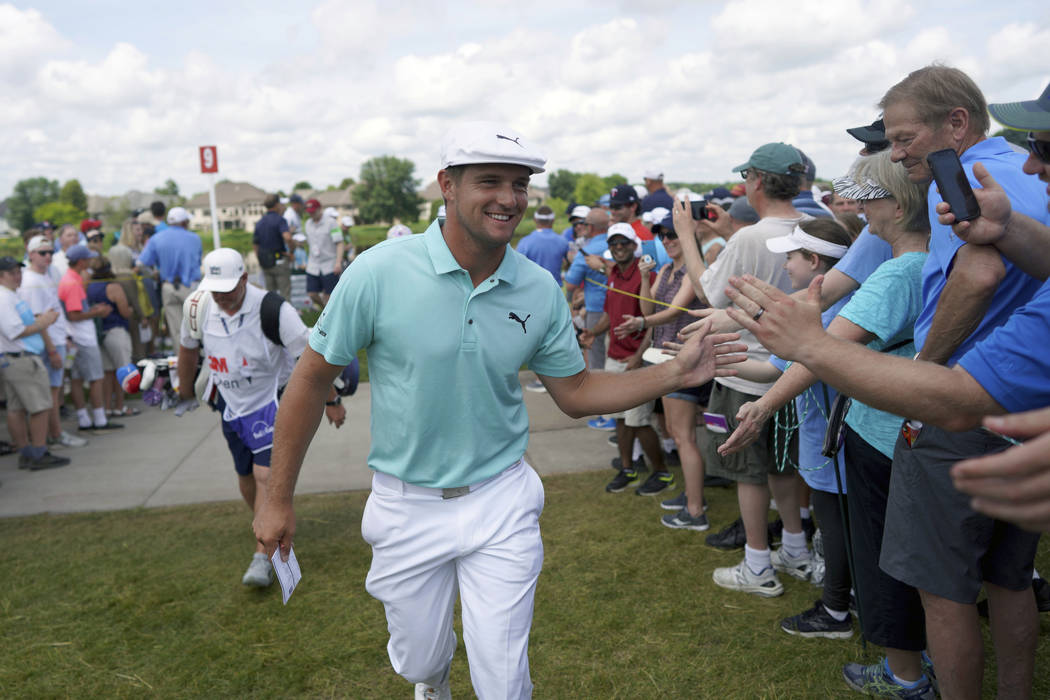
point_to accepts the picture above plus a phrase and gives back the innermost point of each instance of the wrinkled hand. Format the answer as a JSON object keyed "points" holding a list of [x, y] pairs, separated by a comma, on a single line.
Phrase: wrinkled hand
{"points": [[705, 356], [336, 415], [750, 419], [274, 526], [720, 322], [990, 226], [185, 405], [630, 326], [1013, 485], [787, 327]]}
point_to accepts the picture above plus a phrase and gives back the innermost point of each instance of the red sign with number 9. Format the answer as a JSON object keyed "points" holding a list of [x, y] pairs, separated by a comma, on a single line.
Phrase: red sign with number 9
{"points": [[209, 159]]}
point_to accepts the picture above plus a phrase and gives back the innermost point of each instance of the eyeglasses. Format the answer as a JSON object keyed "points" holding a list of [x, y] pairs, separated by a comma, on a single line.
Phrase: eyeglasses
{"points": [[44, 252], [745, 172], [1040, 148], [620, 244]]}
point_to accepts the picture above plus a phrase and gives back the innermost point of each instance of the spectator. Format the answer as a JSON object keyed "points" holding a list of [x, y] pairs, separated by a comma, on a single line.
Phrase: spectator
{"points": [[272, 243], [658, 195], [772, 178], [625, 354], [66, 238], [176, 253], [24, 375], [39, 289], [293, 214], [543, 246], [574, 234], [624, 208], [94, 239], [114, 334], [326, 251], [804, 200], [87, 362], [157, 209], [840, 205]]}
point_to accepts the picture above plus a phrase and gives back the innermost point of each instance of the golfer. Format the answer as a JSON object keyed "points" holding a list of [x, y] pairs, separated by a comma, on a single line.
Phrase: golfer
{"points": [[448, 318]]}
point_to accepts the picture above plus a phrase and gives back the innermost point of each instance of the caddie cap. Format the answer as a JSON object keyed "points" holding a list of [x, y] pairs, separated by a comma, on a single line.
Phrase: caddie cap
{"points": [[223, 269]]}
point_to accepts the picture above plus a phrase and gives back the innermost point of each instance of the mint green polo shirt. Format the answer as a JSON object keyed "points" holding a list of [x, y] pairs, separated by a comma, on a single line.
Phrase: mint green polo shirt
{"points": [[443, 356]]}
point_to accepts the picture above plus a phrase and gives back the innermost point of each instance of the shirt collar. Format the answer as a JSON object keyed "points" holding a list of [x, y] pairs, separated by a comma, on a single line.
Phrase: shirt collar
{"points": [[443, 260]]}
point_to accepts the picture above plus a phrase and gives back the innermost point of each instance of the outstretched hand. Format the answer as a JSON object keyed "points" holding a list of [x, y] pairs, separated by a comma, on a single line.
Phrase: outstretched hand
{"points": [[1013, 485], [705, 356], [787, 327], [720, 322], [750, 419], [990, 226]]}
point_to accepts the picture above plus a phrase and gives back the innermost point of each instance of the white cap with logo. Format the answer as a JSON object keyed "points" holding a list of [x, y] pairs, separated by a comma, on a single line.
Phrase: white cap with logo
{"points": [[176, 215], [628, 232], [223, 269], [471, 143]]}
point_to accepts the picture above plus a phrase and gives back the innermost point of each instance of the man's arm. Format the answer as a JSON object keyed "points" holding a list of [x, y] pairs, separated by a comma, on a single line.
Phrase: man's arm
{"points": [[298, 416], [950, 398], [93, 312], [590, 393], [975, 275], [41, 321]]}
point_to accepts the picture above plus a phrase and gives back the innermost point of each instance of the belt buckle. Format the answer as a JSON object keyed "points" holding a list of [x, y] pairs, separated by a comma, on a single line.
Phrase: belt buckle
{"points": [[455, 492]]}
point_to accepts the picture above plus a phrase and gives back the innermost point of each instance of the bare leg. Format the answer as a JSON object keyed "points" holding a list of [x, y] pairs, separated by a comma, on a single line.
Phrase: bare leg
{"points": [[955, 646], [54, 421], [16, 425], [76, 390], [624, 443], [1015, 631], [754, 505], [651, 447], [681, 421], [785, 490], [38, 429], [95, 393]]}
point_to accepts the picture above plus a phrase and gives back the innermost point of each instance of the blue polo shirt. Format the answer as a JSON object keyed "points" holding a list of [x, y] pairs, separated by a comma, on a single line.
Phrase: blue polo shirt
{"points": [[547, 249], [578, 273], [660, 198], [1012, 363], [1027, 196], [176, 253], [443, 356], [806, 203], [269, 232]]}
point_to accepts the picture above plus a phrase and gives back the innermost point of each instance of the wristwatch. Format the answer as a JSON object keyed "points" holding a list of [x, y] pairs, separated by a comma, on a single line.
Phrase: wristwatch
{"points": [[338, 401]]}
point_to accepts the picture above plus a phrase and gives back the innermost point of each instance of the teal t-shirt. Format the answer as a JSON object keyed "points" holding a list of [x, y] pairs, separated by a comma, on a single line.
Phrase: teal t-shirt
{"points": [[886, 305], [444, 356]]}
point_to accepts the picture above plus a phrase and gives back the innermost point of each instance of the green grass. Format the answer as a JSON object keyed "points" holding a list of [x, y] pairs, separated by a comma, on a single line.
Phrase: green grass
{"points": [[139, 602]]}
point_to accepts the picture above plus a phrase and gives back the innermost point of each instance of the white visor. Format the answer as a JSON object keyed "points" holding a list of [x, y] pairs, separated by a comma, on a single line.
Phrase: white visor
{"points": [[800, 240]]}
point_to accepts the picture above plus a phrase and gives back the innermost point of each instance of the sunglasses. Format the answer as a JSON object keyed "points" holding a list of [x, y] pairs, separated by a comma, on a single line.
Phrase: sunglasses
{"points": [[620, 244], [667, 235], [94, 238], [1041, 149], [44, 252]]}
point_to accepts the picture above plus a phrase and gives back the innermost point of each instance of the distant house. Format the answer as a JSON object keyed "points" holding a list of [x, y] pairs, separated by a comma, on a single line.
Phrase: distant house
{"points": [[239, 204], [340, 200], [102, 206]]}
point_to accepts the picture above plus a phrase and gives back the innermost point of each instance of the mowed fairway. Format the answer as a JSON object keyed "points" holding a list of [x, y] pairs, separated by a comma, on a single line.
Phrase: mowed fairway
{"points": [[149, 603]]}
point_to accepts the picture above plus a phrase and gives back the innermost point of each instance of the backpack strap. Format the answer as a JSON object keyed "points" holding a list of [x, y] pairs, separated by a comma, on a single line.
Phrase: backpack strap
{"points": [[194, 309], [270, 317]]}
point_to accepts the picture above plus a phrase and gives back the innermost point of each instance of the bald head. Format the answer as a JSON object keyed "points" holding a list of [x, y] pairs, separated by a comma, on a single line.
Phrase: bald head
{"points": [[597, 221]]}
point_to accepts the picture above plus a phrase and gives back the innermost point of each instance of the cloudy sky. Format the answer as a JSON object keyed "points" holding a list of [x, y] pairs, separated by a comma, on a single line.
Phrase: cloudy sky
{"points": [[119, 95]]}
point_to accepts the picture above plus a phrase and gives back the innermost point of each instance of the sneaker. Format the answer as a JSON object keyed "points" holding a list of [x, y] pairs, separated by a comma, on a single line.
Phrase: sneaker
{"points": [[683, 521], [729, 538], [740, 578], [716, 482], [433, 692], [108, 427], [612, 440], [877, 680], [657, 482], [44, 461], [678, 503], [537, 386], [816, 622], [672, 459], [259, 572], [66, 440], [621, 481], [799, 567], [602, 423], [638, 464]]}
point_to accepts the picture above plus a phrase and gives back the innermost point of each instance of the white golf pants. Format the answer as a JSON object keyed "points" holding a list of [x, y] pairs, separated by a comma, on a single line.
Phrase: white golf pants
{"points": [[484, 544]]}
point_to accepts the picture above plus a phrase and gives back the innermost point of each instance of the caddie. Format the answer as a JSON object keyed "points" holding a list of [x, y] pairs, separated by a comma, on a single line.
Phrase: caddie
{"points": [[447, 319], [245, 367]]}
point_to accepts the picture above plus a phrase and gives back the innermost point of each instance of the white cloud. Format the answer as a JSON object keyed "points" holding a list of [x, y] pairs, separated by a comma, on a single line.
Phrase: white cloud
{"points": [[26, 39]]}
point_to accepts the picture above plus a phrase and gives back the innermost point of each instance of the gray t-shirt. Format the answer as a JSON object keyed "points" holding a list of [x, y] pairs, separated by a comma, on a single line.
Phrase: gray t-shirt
{"points": [[746, 253]]}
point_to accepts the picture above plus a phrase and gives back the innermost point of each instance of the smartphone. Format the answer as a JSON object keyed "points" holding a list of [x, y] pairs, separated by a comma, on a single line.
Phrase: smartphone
{"points": [[952, 184], [700, 210], [716, 422]]}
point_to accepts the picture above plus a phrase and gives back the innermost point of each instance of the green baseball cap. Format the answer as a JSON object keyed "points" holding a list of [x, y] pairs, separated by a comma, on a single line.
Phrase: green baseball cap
{"points": [[779, 158], [1031, 115]]}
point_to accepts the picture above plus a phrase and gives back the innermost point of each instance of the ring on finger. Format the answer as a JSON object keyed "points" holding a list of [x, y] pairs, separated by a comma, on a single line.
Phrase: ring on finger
{"points": [[758, 314]]}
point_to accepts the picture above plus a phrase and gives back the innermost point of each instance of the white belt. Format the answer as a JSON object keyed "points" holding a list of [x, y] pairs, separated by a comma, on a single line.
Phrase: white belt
{"points": [[392, 482]]}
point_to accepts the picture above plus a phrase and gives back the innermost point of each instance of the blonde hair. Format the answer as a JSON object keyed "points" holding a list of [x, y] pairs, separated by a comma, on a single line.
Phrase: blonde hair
{"points": [[911, 198], [935, 90]]}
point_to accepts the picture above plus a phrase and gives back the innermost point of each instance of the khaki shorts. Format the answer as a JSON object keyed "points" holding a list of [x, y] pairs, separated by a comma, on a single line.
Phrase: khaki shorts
{"points": [[26, 383], [754, 463], [637, 417], [116, 349]]}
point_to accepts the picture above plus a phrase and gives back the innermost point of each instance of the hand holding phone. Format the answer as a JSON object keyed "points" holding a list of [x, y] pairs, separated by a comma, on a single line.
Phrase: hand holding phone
{"points": [[951, 182]]}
